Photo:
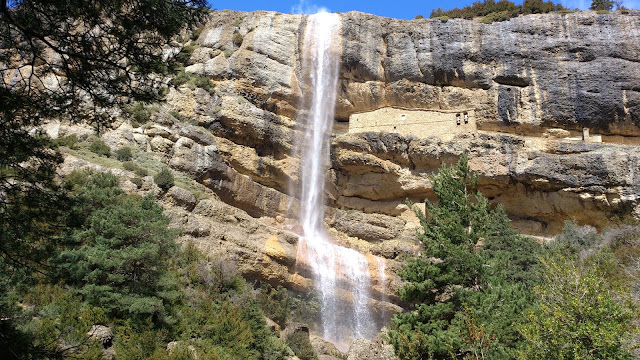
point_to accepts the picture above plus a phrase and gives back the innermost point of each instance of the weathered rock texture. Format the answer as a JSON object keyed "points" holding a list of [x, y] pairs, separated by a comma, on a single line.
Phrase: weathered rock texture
{"points": [[533, 75], [532, 81], [569, 70]]}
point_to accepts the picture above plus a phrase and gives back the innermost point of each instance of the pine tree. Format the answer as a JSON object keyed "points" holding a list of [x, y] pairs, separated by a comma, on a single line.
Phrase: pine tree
{"points": [[602, 5], [123, 253], [471, 262]]}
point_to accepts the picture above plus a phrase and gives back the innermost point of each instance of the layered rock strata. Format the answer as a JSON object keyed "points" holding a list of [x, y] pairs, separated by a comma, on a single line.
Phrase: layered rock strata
{"points": [[532, 76]]}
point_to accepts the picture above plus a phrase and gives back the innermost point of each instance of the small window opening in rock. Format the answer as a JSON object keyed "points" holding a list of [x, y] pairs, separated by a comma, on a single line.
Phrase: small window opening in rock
{"points": [[395, 130], [466, 118], [457, 119], [403, 117]]}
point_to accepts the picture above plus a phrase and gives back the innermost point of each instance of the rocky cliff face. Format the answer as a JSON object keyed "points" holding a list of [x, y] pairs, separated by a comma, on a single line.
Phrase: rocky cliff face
{"points": [[529, 79], [569, 71], [539, 70]]}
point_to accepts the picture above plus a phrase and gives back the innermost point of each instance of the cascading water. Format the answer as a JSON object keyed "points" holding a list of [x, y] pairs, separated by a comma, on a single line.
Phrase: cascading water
{"points": [[341, 274]]}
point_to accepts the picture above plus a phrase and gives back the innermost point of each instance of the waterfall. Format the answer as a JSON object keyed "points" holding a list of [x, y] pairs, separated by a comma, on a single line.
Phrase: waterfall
{"points": [[341, 274]]}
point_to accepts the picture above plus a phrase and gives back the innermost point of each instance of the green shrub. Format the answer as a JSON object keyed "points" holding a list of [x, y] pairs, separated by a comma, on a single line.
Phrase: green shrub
{"points": [[301, 346], [496, 17], [137, 181], [578, 315], [575, 239], [280, 304], [202, 82], [69, 141], [196, 33], [177, 115], [181, 78], [275, 302], [77, 178], [164, 179], [418, 17], [237, 38], [137, 169], [134, 342], [184, 55], [129, 165], [142, 172], [125, 153], [193, 80], [99, 147], [59, 323], [139, 114]]}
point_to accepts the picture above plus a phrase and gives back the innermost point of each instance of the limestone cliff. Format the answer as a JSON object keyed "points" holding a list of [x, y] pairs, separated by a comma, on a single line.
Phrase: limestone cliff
{"points": [[530, 76], [532, 81]]}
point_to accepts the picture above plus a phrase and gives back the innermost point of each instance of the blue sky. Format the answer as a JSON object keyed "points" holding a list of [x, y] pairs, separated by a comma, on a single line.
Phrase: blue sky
{"points": [[400, 9]]}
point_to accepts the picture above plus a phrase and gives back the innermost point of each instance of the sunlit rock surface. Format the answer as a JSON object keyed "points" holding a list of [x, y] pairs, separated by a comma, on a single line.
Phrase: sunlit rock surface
{"points": [[534, 81]]}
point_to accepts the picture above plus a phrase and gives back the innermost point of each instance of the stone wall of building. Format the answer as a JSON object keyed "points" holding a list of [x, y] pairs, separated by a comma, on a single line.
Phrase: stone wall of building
{"points": [[418, 122]]}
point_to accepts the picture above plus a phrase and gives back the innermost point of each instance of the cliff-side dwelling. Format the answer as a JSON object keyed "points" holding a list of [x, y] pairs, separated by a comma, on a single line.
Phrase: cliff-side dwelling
{"points": [[418, 122]]}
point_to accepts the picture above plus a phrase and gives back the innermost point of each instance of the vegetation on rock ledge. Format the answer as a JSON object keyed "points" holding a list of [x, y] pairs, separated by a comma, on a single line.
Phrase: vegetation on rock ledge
{"points": [[499, 11]]}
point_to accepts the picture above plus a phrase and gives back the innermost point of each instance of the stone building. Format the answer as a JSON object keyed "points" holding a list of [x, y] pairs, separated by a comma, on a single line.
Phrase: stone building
{"points": [[418, 122]]}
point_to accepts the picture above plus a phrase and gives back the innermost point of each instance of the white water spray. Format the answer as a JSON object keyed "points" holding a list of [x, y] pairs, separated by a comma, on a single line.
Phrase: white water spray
{"points": [[341, 274]]}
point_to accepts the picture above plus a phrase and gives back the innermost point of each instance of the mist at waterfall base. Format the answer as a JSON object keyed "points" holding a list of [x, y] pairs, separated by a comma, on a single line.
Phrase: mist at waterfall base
{"points": [[341, 275]]}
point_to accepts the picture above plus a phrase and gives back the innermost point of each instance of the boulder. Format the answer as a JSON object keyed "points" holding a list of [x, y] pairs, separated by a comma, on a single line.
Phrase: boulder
{"points": [[181, 197], [161, 144], [324, 349], [377, 349], [102, 333]]}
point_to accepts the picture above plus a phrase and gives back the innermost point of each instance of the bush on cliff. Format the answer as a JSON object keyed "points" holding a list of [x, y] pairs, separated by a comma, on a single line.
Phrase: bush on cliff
{"points": [[164, 179], [124, 153], [498, 11], [585, 307], [99, 147]]}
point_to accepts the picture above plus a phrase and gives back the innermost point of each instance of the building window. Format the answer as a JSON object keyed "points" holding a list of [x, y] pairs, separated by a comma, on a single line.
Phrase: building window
{"points": [[466, 118], [403, 117], [457, 119]]}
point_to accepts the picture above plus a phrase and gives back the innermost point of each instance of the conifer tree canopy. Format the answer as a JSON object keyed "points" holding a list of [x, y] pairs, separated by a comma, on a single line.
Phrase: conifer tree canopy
{"points": [[74, 59], [472, 280], [123, 256]]}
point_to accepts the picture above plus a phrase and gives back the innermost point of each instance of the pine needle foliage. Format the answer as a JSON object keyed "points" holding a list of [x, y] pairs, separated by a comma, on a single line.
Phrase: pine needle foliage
{"points": [[471, 281], [68, 59], [122, 257]]}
